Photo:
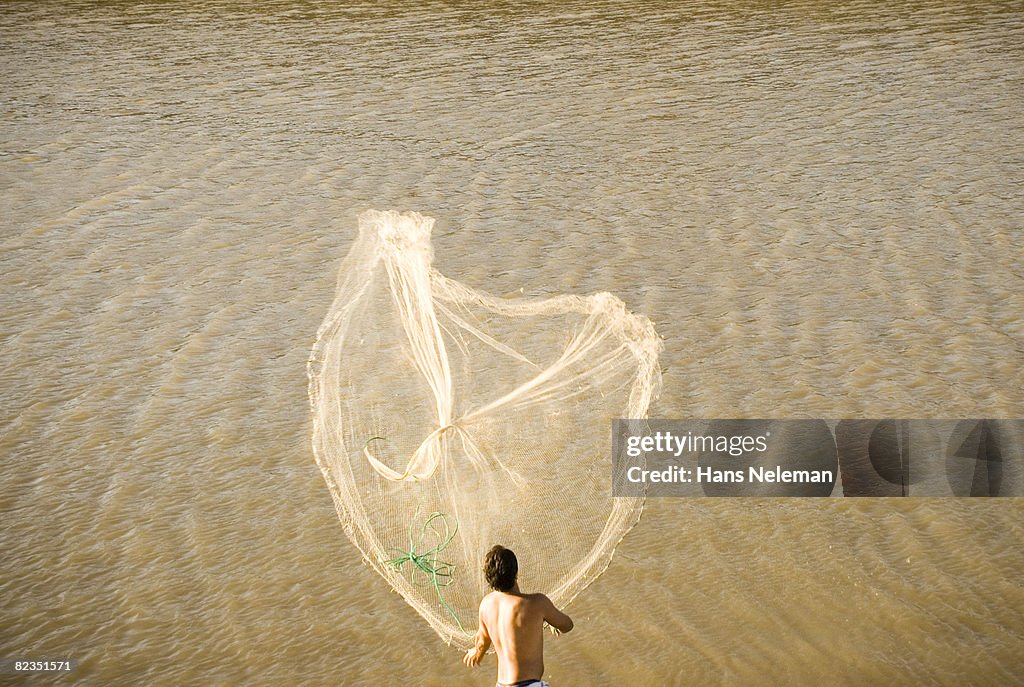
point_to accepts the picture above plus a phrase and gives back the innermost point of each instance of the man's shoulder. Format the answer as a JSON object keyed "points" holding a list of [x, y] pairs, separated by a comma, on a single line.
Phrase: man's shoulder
{"points": [[538, 598]]}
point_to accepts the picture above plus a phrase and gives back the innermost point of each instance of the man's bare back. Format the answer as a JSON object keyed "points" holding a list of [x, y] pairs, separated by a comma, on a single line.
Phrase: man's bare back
{"points": [[514, 623]]}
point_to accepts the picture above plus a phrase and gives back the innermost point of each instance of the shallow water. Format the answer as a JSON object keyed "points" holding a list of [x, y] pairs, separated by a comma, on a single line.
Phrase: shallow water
{"points": [[819, 207]]}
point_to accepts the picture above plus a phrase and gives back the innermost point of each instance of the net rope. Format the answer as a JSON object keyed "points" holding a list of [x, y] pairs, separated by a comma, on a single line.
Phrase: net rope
{"points": [[492, 415]]}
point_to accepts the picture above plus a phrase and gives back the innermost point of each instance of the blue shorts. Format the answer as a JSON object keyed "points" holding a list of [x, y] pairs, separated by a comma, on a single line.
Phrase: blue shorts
{"points": [[524, 683]]}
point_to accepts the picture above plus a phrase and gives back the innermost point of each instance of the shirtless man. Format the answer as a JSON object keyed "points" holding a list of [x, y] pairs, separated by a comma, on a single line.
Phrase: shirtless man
{"points": [[515, 623]]}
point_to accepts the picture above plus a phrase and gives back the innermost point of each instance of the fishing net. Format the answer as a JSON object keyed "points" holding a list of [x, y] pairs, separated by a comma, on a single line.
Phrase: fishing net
{"points": [[447, 420]]}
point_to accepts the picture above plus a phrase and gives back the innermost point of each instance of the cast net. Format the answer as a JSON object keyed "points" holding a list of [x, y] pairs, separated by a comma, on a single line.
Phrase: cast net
{"points": [[447, 420]]}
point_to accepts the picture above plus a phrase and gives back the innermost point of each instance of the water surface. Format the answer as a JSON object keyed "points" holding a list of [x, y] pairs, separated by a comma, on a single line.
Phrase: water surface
{"points": [[819, 206]]}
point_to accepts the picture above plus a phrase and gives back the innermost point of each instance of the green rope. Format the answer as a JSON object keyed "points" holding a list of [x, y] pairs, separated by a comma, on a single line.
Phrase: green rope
{"points": [[440, 573]]}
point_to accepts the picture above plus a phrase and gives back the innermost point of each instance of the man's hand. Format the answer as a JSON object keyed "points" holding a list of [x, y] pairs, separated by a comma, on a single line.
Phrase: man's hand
{"points": [[481, 643], [553, 630], [555, 618], [472, 657]]}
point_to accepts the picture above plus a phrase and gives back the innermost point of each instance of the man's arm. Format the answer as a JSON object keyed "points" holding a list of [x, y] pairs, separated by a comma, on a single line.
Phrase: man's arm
{"points": [[481, 644], [555, 618]]}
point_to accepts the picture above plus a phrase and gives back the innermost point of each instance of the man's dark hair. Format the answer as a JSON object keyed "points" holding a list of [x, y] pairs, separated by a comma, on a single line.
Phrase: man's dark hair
{"points": [[501, 568]]}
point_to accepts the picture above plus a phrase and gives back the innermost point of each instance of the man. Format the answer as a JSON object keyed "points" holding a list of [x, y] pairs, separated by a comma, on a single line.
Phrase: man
{"points": [[514, 622]]}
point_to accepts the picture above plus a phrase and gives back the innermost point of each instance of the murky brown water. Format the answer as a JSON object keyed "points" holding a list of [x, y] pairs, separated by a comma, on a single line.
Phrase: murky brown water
{"points": [[818, 204]]}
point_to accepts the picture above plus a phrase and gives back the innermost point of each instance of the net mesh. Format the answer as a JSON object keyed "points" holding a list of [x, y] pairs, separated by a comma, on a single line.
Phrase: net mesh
{"points": [[446, 420]]}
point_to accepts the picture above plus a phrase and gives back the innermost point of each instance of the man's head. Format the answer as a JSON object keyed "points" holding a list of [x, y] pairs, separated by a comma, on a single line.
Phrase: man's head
{"points": [[501, 568]]}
